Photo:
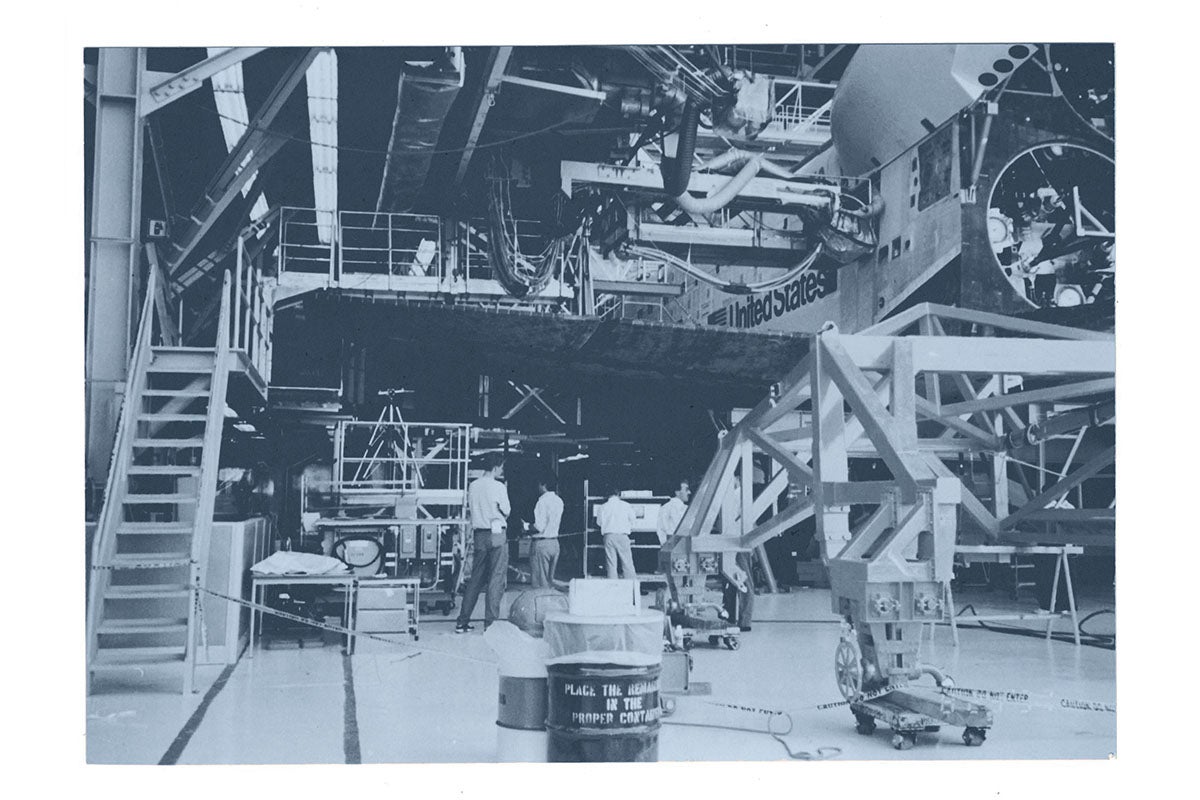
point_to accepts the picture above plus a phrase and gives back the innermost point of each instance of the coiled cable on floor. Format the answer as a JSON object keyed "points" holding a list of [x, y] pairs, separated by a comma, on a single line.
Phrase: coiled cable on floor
{"points": [[1102, 641]]}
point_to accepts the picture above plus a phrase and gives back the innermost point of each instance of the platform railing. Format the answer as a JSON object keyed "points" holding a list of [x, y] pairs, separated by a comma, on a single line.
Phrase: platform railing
{"points": [[395, 245], [251, 317], [374, 458]]}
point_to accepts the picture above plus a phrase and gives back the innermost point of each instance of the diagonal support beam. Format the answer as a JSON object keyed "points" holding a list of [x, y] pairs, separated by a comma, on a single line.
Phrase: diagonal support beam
{"points": [[776, 525], [256, 147], [170, 88], [970, 503], [929, 411], [875, 418], [497, 63], [1088, 470], [798, 470], [1049, 394]]}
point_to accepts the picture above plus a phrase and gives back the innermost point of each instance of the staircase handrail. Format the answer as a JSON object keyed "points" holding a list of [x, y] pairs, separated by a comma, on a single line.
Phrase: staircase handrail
{"points": [[105, 540]]}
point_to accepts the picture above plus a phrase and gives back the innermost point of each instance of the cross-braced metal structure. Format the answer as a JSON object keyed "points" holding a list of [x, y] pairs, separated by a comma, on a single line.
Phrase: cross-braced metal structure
{"points": [[869, 434]]}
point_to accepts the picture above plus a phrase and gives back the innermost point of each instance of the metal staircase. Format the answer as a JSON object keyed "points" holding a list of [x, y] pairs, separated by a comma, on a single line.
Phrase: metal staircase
{"points": [[151, 545]]}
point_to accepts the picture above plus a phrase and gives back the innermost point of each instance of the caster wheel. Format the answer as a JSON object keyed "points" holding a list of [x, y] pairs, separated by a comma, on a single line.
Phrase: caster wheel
{"points": [[903, 741], [668, 706], [446, 609], [732, 642], [687, 643], [973, 737], [864, 725], [713, 640]]}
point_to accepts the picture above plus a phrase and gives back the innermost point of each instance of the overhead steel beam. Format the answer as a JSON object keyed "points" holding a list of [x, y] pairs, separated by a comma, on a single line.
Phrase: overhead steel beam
{"points": [[576, 91], [257, 145], [824, 62], [497, 62], [649, 179], [113, 248], [988, 355], [170, 88]]}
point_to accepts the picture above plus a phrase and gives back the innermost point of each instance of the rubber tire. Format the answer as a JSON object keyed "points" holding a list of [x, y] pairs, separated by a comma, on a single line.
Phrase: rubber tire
{"points": [[974, 737], [732, 642], [903, 741], [714, 640]]}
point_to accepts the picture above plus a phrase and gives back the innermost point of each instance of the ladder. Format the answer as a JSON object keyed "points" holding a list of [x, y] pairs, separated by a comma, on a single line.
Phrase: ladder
{"points": [[151, 545]]}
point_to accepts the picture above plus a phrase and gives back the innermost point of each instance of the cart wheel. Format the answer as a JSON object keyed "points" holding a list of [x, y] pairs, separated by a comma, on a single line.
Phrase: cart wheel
{"points": [[447, 608], [864, 724], [904, 741], [847, 668], [687, 643], [668, 706], [732, 642], [714, 640], [973, 737]]}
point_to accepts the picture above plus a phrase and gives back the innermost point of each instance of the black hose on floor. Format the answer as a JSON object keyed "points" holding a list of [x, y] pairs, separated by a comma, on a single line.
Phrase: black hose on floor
{"points": [[1102, 641]]}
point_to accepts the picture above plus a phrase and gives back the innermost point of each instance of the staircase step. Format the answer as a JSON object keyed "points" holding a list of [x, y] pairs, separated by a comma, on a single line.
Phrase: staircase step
{"points": [[176, 443], [155, 417], [176, 393], [115, 657], [164, 348], [156, 499], [158, 560], [147, 625], [161, 469], [155, 528], [146, 591]]}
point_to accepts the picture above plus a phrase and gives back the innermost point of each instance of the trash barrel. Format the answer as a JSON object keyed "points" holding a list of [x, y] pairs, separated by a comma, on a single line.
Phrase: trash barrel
{"points": [[600, 711], [521, 707]]}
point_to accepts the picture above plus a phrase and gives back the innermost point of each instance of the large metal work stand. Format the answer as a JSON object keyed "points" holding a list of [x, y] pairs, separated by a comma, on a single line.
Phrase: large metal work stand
{"points": [[906, 397]]}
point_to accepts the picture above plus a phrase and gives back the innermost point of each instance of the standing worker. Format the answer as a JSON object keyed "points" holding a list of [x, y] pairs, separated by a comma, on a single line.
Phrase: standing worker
{"points": [[547, 516], [669, 516], [739, 598], [488, 499], [616, 518]]}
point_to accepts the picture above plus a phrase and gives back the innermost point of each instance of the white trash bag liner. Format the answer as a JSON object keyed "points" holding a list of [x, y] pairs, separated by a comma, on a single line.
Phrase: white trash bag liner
{"points": [[573, 635], [520, 655]]}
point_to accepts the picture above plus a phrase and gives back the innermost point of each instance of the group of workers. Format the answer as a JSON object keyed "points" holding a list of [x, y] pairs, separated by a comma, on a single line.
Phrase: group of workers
{"points": [[490, 509]]}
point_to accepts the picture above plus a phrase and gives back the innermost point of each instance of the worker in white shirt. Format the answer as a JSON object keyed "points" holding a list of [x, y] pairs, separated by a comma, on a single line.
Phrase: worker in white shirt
{"points": [[487, 497], [547, 516], [670, 514], [616, 518]]}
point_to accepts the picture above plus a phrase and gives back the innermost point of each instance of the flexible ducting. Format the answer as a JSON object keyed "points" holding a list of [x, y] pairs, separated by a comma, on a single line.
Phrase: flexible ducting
{"points": [[728, 287], [677, 172]]}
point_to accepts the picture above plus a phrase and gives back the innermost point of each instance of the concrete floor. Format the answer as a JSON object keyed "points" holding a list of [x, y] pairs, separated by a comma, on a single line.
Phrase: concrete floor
{"points": [[295, 706]]}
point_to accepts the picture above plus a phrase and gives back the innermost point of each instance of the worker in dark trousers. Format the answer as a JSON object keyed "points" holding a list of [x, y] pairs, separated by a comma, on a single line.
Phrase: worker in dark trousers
{"points": [[739, 600], [490, 507], [547, 516]]}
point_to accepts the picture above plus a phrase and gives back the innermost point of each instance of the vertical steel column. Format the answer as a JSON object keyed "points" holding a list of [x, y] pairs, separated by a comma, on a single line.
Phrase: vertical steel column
{"points": [[830, 463], [113, 249]]}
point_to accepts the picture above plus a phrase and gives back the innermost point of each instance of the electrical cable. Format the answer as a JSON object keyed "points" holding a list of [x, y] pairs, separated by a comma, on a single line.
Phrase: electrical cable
{"points": [[728, 287], [1101, 641], [820, 754]]}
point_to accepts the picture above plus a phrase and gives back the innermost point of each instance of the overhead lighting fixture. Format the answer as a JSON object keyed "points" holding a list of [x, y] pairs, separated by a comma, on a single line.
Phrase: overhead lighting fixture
{"points": [[576, 457], [321, 79], [229, 92]]}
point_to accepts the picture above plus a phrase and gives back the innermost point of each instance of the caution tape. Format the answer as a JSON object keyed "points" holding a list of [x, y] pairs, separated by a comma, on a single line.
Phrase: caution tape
{"points": [[863, 697], [176, 562], [338, 628], [1025, 698]]}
